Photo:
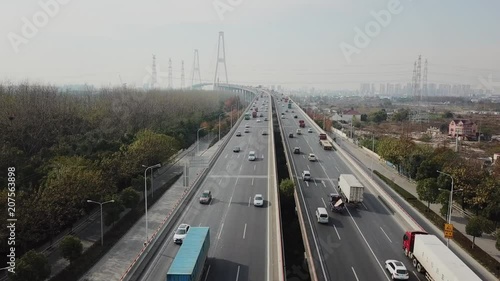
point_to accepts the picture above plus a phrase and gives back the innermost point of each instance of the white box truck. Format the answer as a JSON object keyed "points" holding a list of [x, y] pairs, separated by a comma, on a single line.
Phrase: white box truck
{"points": [[351, 188]]}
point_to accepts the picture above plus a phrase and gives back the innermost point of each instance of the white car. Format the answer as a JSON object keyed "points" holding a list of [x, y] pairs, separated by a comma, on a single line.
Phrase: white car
{"points": [[397, 270], [251, 156], [181, 233], [258, 200], [310, 130], [247, 126], [312, 157], [306, 175], [258, 120]]}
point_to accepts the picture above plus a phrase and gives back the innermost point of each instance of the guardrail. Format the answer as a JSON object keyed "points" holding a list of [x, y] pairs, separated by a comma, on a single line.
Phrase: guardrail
{"points": [[138, 265], [303, 229], [274, 185], [386, 197]]}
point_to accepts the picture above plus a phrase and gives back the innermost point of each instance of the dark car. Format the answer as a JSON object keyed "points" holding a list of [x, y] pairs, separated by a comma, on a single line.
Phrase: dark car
{"points": [[295, 116], [236, 149], [290, 135], [296, 150], [238, 134], [206, 197]]}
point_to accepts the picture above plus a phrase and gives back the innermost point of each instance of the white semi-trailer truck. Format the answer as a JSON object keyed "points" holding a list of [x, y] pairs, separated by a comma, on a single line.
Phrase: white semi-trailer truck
{"points": [[432, 258]]}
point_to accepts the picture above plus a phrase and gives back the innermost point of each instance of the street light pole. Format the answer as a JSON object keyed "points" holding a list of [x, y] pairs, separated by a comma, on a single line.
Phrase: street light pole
{"points": [[232, 116], [219, 124], [373, 149], [198, 138], [101, 203], [146, 195], [450, 203]]}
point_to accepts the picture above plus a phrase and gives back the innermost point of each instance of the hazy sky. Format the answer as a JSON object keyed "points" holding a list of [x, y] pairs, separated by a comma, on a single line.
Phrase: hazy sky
{"points": [[293, 43]]}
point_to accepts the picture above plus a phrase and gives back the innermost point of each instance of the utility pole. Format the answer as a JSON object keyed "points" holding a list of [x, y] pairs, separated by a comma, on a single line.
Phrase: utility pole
{"points": [[196, 68], [170, 74], [182, 75], [153, 74]]}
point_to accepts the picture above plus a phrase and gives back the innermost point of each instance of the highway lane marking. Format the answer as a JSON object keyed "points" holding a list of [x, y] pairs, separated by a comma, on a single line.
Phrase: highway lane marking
{"points": [[238, 156], [252, 180], [244, 231], [303, 156], [262, 156], [323, 182], [236, 183], [353, 271], [334, 227], [364, 205], [254, 167], [328, 177], [366, 242], [337, 168], [208, 271], [238, 273], [237, 176], [386, 234], [315, 182], [324, 204], [226, 156], [309, 168], [307, 183], [249, 200], [220, 232], [220, 181], [416, 275]]}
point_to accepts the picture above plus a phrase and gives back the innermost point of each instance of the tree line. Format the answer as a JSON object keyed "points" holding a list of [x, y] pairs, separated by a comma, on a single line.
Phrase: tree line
{"points": [[69, 146], [476, 186]]}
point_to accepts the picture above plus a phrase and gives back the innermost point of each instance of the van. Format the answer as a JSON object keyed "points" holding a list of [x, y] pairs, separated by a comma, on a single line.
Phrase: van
{"points": [[322, 215]]}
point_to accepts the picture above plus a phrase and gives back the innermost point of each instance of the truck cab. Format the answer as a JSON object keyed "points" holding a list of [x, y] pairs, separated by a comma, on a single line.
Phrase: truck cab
{"points": [[409, 240]]}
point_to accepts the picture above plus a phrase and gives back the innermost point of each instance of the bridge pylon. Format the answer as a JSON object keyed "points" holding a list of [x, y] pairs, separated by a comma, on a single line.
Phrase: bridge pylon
{"points": [[221, 58]]}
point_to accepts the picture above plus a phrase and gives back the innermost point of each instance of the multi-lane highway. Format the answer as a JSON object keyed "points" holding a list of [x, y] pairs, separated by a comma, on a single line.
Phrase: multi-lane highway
{"points": [[238, 229], [355, 244]]}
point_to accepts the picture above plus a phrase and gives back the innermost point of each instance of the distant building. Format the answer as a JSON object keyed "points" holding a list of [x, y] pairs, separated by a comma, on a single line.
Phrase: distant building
{"points": [[496, 156], [382, 90], [346, 115], [462, 128]]}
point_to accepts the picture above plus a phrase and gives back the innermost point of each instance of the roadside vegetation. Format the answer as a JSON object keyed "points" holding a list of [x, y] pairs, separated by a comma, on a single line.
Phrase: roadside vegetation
{"points": [[70, 146], [417, 150]]}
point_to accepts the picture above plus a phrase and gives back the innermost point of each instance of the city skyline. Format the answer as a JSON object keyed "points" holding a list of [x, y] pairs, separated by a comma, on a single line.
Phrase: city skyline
{"points": [[297, 44]]}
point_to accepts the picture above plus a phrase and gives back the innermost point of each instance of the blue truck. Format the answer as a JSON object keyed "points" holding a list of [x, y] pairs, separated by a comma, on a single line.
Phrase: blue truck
{"points": [[190, 260]]}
